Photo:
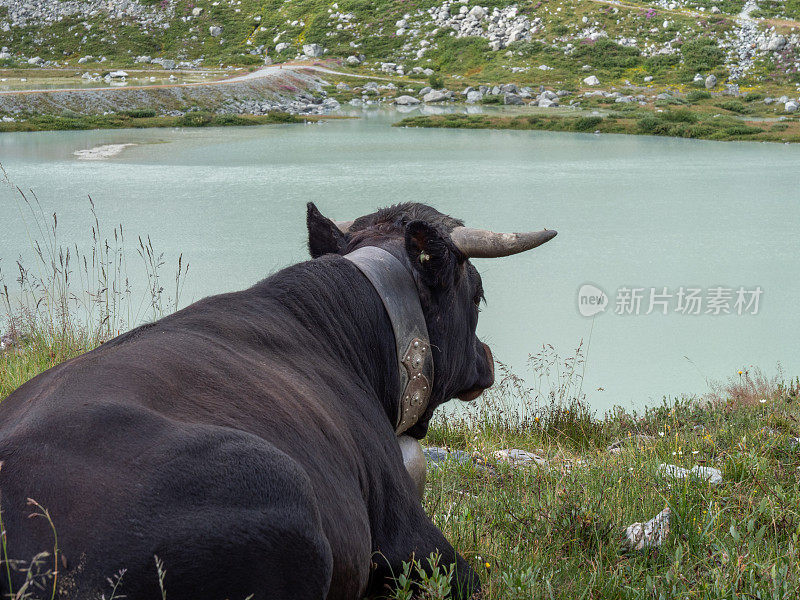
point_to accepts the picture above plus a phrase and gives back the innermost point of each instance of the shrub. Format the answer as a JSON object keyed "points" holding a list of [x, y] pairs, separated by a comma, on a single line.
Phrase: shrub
{"points": [[648, 124], [733, 106], [436, 81], [701, 54], [696, 95], [140, 113], [587, 123], [608, 55], [753, 97], [195, 118], [679, 116]]}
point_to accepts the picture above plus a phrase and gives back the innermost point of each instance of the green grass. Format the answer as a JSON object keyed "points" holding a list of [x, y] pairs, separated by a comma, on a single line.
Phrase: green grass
{"points": [[555, 532], [140, 119], [631, 120]]}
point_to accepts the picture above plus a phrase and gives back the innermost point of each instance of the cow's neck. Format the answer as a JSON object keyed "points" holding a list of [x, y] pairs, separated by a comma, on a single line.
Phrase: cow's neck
{"points": [[398, 292], [334, 301]]}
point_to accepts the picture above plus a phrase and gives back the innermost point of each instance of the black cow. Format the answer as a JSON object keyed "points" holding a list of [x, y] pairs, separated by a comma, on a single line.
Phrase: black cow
{"points": [[249, 440]]}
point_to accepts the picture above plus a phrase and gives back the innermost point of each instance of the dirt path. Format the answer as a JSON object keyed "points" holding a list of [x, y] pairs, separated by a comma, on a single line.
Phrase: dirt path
{"points": [[263, 73]]}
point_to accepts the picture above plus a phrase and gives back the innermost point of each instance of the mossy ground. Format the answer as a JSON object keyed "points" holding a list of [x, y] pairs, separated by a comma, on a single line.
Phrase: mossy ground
{"points": [[143, 119], [671, 123]]}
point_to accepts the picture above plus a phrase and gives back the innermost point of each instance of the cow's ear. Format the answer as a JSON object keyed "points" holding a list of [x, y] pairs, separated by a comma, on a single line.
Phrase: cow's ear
{"points": [[324, 236], [432, 254]]}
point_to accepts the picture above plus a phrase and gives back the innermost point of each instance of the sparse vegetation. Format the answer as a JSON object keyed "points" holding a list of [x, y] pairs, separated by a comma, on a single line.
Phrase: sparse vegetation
{"points": [[670, 123]]}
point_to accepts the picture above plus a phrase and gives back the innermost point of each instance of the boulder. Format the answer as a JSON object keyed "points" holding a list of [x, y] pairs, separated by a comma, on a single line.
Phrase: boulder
{"points": [[118, 74], [776, 43], [508, 88], [650, 534], [698, 78], [512, 99], [215, 30], [313, 50], [474, 96], [168, 64], [591, 80], [342, 87], [546, 102], [353, 61], [36, 60], [709, 474], [791, 106], [478, 12], [197, 11], [425, 90], [406, 101], [436, 96], [711, 81], [282, 46], [517, 457]]}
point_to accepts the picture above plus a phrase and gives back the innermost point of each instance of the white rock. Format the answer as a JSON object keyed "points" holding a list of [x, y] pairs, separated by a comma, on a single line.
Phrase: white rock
{"points": [[591, 80], [353, 60], [282, 46], [790, 106], [648, 79], [711, 81], [215, 30], [197, 11], [710, 474], [517, 457], [435, 96], [36, 60], [650, 534], [117, 74], [313, 50], [406, 101], [474, 96], [478, 12]]}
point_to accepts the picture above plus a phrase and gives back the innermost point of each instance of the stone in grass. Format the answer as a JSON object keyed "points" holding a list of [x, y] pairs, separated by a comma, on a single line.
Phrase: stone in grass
{"points": [[711, 81], [513, 99], [520, 458], [591, 80], [790, 107], [215, 30], [436, 96], [406, 100], [709, 474], [650, 534], [313, 50], [640, 440]]}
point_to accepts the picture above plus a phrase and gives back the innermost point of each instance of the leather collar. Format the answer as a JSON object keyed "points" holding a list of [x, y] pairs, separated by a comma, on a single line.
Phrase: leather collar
{"points": [[398, 292]]}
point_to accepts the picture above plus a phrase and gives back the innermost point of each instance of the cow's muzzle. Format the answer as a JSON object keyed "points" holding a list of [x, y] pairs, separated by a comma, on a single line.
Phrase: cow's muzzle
{"points": [[476, 391]]}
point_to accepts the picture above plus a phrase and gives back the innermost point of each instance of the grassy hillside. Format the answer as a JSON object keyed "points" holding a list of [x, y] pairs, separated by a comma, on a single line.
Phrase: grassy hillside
{"points": [[615, 41]]}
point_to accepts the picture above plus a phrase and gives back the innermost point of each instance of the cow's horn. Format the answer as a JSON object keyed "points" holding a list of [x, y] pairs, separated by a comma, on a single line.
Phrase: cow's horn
{"points": [[480, 243], [344, 226]]}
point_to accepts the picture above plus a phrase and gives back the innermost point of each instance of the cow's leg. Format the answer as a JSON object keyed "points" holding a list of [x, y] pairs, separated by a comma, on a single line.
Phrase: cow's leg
{"points": [[411, 533]]}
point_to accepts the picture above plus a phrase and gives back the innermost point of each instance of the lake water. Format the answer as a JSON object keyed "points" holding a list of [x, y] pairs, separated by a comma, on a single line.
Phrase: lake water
{"points": [[632, 212]]}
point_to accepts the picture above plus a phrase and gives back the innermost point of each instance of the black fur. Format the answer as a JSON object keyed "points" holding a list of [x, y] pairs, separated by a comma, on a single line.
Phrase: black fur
{"points": [[246, 440]]}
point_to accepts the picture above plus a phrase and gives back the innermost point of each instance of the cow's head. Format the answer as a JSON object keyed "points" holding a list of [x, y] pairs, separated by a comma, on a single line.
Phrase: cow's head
{"points": [[437, 247]]}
